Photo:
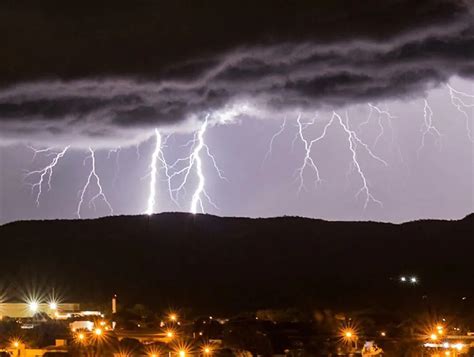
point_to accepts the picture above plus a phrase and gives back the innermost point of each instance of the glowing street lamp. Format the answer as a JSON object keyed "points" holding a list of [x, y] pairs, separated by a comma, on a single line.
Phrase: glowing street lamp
{"points": [[206, 350], [33, 306], [53, 306], [182, 353], [349, 336], [433, 337], [98, 331], [173, 317]]}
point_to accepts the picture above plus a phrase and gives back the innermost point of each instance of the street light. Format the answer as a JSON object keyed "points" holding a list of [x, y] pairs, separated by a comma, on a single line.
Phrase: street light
{"points": [[206, 350], [349, 336], [173, 317], [169, 333], [33, 305], [98, 331], [182, 353]]}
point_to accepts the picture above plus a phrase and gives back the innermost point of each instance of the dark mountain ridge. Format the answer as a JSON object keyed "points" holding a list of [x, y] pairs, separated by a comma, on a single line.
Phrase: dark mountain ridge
{"points": [[218, 263]]}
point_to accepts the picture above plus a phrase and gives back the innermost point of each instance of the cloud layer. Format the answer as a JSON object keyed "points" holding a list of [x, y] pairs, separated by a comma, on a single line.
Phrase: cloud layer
{"points": [[169, 75]]}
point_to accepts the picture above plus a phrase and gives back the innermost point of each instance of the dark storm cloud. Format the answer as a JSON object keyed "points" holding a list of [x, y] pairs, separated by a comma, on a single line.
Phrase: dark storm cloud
{"points": [[83, 72]]}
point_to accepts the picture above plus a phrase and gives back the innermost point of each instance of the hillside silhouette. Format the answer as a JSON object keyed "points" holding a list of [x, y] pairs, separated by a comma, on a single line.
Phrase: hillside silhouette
{"points": [[235, 264]]}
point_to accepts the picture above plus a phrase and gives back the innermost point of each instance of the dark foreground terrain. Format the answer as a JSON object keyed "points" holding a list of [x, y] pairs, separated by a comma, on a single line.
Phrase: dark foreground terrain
{"points": [[229, 264]]}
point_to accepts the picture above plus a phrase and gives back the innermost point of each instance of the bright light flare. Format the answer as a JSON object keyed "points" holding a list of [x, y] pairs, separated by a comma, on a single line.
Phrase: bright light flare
{"points": [[33, 306], [183, 348], [207, 349], [173, 317], [349, 333], [80, 338], [98, 332]]}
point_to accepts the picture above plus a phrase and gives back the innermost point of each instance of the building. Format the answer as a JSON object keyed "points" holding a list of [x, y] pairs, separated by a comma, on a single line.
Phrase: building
{"points": [[24, 310], [20, 350]]}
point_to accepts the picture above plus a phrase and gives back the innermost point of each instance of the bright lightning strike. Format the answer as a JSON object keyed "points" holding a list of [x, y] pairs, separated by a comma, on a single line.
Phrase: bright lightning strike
{"points": [[381, 115], [153, 174], [427, 127], [353, 143], [277, 134], [308, 161], [45, 173], [48, 151], [458, 100], [201, 179], [99, 194], [195, 160]]}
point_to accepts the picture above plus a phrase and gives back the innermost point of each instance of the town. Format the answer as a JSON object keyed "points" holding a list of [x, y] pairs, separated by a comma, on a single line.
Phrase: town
{"points": [[53, 327]]}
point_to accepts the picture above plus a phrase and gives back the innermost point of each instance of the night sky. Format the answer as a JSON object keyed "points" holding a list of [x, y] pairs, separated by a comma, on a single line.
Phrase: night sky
{"points": [[380, 94]]}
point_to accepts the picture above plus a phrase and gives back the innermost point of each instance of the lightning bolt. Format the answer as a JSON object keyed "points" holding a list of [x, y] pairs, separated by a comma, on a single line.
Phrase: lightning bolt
{"points": [[195, 160], [353, 144], [308, 161], [49, 152], [153, 173], [457, 99], [427, 127], [99, 194], [137, 151], [45, 173], [201, 179], [301, 127], [381, 115], [270, 146], [353, 141]]}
